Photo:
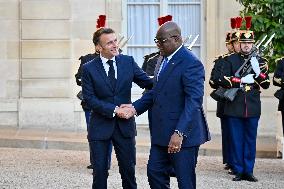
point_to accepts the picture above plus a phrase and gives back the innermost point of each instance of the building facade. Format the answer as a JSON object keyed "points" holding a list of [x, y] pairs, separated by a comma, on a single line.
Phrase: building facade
{"points": [[41, 41]]}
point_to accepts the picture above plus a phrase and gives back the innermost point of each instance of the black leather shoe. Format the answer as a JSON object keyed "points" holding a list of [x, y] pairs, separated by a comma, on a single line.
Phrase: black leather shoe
{"points": [[227, 167], [250, 178], [231, 172], [238, 177], [89, 167]]}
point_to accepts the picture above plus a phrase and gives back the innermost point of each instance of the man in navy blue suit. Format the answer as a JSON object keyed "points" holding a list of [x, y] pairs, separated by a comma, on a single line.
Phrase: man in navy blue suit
{"points": [[179, 126], [106, 84]]}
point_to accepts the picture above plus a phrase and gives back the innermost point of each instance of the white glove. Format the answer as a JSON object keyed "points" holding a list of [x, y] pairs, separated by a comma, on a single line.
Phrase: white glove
{"points": [[255, 66], [248, 79]]}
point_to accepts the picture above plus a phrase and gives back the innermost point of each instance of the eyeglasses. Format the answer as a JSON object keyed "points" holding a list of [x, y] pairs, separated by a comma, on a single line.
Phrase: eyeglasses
{"points": [[161, 41]]}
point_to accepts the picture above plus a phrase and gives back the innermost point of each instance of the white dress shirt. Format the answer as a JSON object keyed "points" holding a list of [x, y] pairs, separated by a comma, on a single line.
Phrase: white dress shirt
{"points": [[169, 58], [106, 65]]}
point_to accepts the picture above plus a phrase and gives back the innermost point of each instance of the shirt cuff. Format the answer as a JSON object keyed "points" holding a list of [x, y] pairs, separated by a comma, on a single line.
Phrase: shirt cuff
{"points": [[114, 111]]}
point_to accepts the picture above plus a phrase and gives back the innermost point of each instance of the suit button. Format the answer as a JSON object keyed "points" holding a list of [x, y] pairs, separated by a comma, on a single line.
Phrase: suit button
{"points": [[160, 106]]}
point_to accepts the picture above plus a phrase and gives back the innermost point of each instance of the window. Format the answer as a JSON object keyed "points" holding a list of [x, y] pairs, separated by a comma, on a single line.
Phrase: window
{"points": [[142, 22]]}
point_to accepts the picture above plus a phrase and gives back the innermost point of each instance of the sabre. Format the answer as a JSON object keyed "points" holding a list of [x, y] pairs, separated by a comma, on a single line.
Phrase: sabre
{"points": [[259, 43], [263, 47], [193, 42], [126, 41], [187, 39], [269, 40], [120, 40]]}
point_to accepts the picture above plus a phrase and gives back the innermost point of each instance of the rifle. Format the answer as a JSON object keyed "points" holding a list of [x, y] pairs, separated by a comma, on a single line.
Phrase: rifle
{"points": [[125, 42], [187, 39], [257, 51], [193, 42], [120, 40]]}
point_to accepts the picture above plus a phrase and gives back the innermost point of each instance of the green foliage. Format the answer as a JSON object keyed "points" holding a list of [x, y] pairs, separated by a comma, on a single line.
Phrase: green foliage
{"points": [[267, 18]]}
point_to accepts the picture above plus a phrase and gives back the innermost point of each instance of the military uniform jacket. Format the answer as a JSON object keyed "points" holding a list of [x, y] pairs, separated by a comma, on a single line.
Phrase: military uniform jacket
{"points": [[78, 75], [247, 101], [278, 79], [150, 62], [215, 78]]}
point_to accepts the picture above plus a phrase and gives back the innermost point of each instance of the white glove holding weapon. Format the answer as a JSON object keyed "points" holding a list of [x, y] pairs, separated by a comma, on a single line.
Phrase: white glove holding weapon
{"points": [[248, 79]]}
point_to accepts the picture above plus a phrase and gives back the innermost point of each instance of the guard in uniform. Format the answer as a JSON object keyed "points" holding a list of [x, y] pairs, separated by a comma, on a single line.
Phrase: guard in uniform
{"points": [[278, 80], [150, 62], [214, 82], [243, 112]]}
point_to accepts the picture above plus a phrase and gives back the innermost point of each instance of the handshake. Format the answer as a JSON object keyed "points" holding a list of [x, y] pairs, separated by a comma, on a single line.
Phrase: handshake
{"points": [[125, 111]]}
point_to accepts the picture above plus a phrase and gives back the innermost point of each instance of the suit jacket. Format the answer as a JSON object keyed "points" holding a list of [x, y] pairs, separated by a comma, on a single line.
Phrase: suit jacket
{"points": [[103, 98], [176, 101]]}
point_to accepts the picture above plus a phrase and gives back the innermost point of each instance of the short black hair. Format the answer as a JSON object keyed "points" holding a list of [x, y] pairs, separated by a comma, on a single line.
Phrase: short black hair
{"points": [[99, 32]]}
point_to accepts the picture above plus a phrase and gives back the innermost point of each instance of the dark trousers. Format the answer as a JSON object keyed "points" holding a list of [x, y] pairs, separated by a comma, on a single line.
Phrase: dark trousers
{"points": [[161, 162], [244, 133], [126, 156], [226, 141], [88, 116], [282, 113]]}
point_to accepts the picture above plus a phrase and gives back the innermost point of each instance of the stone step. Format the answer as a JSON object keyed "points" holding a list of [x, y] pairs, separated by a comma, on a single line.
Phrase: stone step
{"points": [[76, 140]]}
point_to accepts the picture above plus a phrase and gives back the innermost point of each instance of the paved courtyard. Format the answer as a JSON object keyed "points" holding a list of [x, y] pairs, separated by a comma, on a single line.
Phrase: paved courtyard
{"points": [[55, 169]]}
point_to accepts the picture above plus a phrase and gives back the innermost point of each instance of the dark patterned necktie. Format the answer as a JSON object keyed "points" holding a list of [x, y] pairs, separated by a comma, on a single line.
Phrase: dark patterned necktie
{"points": [[111, 73]]}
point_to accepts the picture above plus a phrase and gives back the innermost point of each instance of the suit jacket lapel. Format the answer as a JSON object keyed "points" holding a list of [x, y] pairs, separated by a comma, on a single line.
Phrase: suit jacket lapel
{"points": [[101, 70], [175, 60]]}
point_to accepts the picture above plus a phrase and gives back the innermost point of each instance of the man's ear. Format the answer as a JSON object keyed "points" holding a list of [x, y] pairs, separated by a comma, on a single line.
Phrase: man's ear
{"points": [[99, 48]]}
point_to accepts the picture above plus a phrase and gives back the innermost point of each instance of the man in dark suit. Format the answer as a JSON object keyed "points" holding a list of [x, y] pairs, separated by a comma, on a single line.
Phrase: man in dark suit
{"points": [[86, 108], [179, 126], [106, 84]]}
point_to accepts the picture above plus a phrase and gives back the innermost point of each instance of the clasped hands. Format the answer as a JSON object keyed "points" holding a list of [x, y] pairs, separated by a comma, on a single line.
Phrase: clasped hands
{"points": [[125, 111]]}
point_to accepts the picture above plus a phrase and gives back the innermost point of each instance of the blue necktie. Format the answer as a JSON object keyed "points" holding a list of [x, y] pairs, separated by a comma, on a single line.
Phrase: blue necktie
{"points": [[111, 73], [165, 62]]}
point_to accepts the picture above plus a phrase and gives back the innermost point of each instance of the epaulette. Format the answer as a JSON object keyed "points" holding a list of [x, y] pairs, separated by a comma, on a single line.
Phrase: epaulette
{"points": [[228, 54], [279, 59], [218, 57], [150, 55], [89, 55], [150, 58], [223, 55]]}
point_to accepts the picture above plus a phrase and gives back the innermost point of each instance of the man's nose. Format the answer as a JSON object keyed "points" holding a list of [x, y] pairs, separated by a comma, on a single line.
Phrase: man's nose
{"points": [[158, 44]]}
